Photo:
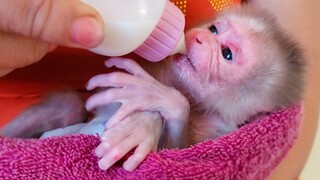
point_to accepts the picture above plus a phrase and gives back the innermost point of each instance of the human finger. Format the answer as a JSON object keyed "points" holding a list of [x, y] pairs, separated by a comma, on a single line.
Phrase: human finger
{"points": [[19, 51], [64, 22]]}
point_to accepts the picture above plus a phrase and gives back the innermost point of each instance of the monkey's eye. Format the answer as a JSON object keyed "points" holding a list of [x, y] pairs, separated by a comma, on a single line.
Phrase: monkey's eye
{"points": [[227, 53], [213, 29]]}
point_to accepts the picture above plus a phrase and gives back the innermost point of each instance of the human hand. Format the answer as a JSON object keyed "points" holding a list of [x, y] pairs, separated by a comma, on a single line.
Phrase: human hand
{"points": [[31, 29], [140, 129]]}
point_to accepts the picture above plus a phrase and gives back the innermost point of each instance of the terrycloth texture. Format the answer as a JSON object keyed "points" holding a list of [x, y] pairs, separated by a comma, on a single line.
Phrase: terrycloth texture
{"points": [[251, 152]]}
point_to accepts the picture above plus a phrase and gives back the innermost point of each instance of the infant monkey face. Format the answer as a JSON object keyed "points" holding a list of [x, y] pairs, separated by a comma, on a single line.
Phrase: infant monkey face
{"points": [[220, 54]]}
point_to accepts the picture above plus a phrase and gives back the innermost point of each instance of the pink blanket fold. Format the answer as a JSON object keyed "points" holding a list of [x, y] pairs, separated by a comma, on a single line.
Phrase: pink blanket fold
{"points": [[251, 152]]}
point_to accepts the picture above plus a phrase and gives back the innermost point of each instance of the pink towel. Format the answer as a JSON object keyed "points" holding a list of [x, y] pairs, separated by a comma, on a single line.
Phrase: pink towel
{"points": [[251, 152]]}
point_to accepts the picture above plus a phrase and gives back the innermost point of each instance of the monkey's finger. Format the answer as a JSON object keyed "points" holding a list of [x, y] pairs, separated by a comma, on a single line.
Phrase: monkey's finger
{"points": [[142, 103], [104, 80], [123, 112], [169, 102], [109, 96], [112, 95], [114, 136], [146, 135], [116, 153], [140, 153], [102, 149], [114, 79], [129, 65]]}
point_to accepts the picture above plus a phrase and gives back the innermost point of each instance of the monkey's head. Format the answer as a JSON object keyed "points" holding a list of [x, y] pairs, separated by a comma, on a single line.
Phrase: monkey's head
{"points": [[240, 64]]}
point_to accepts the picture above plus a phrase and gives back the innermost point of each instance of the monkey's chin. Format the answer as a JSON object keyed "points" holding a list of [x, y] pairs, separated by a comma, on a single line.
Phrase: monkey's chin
{"points": [[183, 62]]}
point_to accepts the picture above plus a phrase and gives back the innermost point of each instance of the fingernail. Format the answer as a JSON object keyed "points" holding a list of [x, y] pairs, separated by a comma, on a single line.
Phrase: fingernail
{"points": [[103, 138], [103, 166], [87, 86], [98, 152], [52, 47], [86, 32], [88, 106], [129, 165]]}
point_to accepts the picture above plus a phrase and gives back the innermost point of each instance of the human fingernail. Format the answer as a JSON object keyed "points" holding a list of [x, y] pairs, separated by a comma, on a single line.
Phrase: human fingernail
{"points": [[52, 47], [87, 32]]}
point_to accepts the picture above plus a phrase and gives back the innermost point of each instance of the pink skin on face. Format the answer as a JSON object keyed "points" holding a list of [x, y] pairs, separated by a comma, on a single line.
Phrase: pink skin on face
{"points": [[236, 37], [205, 65]]}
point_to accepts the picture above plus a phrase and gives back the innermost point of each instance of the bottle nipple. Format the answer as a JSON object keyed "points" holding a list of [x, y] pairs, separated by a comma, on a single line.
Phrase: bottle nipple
{"points": [[167, 37], [181, 46]]}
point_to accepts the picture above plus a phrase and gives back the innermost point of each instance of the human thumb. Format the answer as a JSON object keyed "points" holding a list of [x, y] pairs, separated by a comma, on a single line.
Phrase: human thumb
{"points": [[63, 22]]}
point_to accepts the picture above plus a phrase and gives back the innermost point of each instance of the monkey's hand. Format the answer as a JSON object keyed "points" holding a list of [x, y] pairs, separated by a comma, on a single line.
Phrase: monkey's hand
{"points": [[138, 91], [140, 129]]}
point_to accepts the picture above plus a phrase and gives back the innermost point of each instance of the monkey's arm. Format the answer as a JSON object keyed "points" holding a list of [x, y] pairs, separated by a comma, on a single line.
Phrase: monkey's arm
{"points": [[138, 91]]}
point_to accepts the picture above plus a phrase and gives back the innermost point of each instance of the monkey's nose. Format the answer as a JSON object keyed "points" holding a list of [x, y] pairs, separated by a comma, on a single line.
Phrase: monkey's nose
{"points": [[198, 40]]}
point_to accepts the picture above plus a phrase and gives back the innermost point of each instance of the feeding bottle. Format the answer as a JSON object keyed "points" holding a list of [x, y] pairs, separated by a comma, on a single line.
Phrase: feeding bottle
{"points": [[153, 29]]}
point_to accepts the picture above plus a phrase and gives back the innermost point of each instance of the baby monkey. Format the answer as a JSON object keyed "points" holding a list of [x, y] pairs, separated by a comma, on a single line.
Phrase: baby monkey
{"points": [[237, 66]]}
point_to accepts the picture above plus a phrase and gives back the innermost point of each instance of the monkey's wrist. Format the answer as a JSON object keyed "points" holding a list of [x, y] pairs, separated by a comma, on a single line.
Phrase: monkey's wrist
{"points": [[179, 109]]}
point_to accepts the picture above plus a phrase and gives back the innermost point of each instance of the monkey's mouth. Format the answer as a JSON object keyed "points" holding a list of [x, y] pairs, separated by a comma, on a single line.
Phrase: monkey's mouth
{"points": [[183, 60]]}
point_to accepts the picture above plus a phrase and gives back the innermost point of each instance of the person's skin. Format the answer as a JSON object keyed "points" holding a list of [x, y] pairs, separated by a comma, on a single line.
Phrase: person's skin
{"points": [[31, 29], [301, 19]]}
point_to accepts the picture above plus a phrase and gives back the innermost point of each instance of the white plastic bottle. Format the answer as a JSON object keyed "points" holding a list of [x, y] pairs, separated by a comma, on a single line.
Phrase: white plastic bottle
{"points": [[152, 29]]}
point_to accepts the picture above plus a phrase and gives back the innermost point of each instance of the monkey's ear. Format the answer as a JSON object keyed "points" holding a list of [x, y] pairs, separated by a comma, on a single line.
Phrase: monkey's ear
{"points": [[200, 11]]}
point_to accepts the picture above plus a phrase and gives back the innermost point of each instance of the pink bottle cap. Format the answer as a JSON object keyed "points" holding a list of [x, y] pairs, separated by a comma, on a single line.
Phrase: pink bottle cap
{"points": [[165, 36]]}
